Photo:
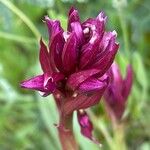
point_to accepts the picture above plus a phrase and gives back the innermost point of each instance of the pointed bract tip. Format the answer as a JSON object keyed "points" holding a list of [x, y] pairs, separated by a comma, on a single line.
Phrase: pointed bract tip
{"points": [[72, 9], [102, 17]]}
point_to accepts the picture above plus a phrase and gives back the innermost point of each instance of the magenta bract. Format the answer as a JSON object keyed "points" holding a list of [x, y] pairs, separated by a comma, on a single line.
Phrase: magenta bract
{"points": [[118, 89], [86, 126]]}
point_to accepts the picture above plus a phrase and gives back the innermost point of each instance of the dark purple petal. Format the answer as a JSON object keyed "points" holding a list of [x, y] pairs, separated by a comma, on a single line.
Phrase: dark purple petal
{"points": [[44, 58], [56, 47], [89, 51], [42, 83], [86, 125], [73, 16], [96, 24], [114, 107], [71, 10], [53, 26], [76, 27], [58, 76], [82, 101], [77, 78], [117, 78], [69, 54], [102, 17], [118, 90], [127, 83], [35, 83], [106, 39], [92, 84], [105, 59], [49, 83]]}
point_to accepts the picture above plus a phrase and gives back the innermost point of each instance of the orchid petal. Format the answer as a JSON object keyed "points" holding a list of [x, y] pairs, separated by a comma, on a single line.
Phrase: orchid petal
{"points": [[102, 17], [127, 82], [104, 61], [118, 90], [92, 84], [117, 78], [86, 125], [44, 58], [106, 39], [69, 54], [53, 26], [89, 51], [96, 24], [76, 27], [42, 83], [83, 101], [73, 16], [56, 47], [79, 77], [35, 83]]}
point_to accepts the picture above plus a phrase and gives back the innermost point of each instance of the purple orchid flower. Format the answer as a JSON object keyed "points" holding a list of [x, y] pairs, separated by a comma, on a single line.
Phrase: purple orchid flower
{"points": [[118, 90], [74, 64]]}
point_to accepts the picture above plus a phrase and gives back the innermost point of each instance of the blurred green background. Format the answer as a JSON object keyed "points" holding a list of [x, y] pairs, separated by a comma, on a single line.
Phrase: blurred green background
{"points": [[26, 119]]}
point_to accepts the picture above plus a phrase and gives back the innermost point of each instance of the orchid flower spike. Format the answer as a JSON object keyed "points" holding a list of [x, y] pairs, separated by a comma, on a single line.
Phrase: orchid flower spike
{"points": [[74, 63]]}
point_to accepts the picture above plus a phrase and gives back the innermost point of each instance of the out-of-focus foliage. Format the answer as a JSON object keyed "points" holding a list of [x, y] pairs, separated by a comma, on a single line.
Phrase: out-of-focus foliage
{"points": [[26, 119]]}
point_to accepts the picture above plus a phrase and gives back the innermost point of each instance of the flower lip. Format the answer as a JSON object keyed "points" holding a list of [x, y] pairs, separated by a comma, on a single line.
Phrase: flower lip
{"points": [[41, 83]]}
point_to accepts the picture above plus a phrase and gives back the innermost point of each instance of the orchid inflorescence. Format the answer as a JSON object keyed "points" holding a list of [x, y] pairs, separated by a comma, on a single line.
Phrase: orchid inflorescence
{"points": [[75, 65]]}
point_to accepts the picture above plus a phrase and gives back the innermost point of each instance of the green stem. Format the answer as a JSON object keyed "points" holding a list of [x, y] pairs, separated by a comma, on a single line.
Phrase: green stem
{"points": [[22, 16], [119, 137], [118, 140]]}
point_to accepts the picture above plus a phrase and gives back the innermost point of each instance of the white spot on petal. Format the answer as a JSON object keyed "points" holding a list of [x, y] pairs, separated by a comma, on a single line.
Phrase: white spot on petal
{"points": [[86, 30], [92, 40], [75, 94], [66, 36]]}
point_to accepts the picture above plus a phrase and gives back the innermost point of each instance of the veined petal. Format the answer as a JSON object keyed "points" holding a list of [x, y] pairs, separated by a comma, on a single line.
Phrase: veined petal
{"points": [[35, 83], [76, 27], [86, 125], [102, 17], [89, 51], [53, 26], [105, 59], [73, 16], [95, 25], [42, 83], [116, 74], [77, 78], [49, 84], [106, 39], [127, 83], [82, 101], [58, 76], [44, 58], [69, 54], [118, 90], [56, 47], [92, 84]]}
